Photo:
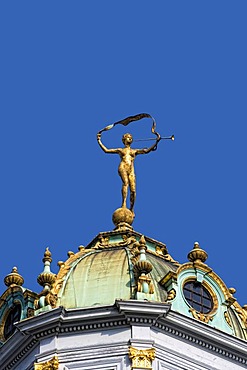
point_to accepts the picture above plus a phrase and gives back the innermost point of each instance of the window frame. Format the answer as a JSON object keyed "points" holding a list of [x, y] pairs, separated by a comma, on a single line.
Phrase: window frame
{"points": [[200, 299], [12, 315]]}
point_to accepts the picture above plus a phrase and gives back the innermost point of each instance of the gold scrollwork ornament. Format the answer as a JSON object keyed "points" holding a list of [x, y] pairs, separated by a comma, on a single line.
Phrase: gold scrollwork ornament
{"points": [[227, 318], [201, 316], [171, 294]]}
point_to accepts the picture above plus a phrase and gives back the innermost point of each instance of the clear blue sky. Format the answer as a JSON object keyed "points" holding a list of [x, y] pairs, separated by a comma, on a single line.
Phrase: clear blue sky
{"points": [[69, 68]]}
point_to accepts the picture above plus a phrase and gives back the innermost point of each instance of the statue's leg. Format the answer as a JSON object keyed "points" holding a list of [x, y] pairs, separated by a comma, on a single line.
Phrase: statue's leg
{"points": [[132, 182], [124, 195], [125, 180]]}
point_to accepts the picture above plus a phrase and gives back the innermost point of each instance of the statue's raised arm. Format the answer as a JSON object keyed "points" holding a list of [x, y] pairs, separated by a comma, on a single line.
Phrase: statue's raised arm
{"points": [[103, 147]]}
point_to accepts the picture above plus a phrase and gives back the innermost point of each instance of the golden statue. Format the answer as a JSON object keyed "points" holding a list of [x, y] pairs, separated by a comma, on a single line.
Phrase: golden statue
{"points": [[126, 167], [123, 215]]}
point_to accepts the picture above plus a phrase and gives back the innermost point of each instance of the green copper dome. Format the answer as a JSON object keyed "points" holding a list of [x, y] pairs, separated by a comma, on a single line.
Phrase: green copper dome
{"points": [[98, 278], [125, 265], [105, 271]]}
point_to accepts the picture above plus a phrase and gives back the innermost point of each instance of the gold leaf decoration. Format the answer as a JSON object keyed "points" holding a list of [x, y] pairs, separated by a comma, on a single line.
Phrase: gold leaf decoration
{"points": [[53, 364], [141, 358]]}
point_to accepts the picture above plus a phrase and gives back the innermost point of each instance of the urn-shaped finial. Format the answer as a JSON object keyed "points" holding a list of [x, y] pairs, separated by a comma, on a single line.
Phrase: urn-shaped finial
{"points": [[197, 254], [46, 278], [14, 278]]}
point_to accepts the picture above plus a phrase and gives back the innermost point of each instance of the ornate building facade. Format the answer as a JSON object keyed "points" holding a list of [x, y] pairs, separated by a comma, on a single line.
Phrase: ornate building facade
{"points": [[123, 302]]}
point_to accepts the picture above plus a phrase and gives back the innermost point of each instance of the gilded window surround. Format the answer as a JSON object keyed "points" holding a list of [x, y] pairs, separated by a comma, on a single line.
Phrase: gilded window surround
{"points": [[10, 307], [205, 317], [229, 299], [170, 282]]}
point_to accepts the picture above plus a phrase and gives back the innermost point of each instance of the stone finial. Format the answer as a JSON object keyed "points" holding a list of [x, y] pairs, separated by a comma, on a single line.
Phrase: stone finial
{"points": [[142, 266], [46, 278], [142, 243], [70, 253], [141, 270], [14, 278], [61, 264], [197, 254], [47, 256]]}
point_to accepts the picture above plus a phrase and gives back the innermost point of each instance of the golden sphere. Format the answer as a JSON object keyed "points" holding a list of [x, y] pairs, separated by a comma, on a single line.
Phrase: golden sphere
{"points": [[122, 215]]}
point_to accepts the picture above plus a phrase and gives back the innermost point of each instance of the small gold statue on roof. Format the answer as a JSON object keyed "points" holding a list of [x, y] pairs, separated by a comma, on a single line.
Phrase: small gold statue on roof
{"points": [[126, 167]]}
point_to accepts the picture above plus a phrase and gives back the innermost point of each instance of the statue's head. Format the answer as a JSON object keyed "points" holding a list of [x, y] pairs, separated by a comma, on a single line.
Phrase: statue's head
{"points": [[127, 139]]}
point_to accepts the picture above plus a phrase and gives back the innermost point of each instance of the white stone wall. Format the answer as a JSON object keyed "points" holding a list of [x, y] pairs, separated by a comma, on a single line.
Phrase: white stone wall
{"points": [[108, 350]]}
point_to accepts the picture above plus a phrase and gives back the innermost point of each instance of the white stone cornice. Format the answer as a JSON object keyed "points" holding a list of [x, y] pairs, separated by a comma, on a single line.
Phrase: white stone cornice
{"points": [[122, 313], [15, 349], [204, 336], [142, 312], [139, 316], [201, 329], [42, 321], [60, 320], [90, 313]]}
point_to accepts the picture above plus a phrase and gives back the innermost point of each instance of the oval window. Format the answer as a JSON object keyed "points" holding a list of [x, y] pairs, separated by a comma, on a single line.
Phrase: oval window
{"points": [[14, 315], [198, 297]]}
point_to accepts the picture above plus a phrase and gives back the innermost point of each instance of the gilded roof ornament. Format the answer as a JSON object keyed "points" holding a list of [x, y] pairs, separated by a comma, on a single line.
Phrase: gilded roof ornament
{"points": [[197, 254], [47, 256], [70, 253], [46, 279], [123, 217], [141, 270], [14, 278]]}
